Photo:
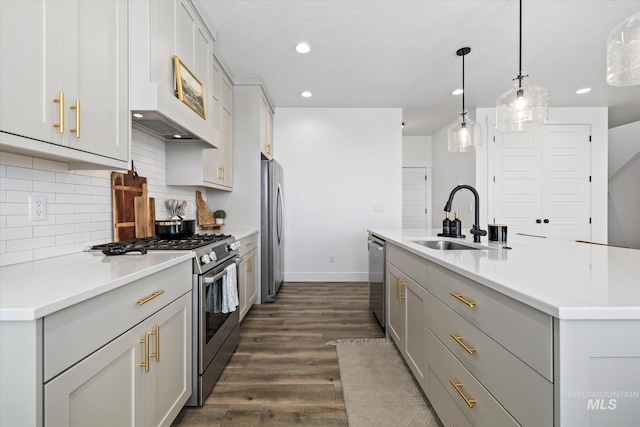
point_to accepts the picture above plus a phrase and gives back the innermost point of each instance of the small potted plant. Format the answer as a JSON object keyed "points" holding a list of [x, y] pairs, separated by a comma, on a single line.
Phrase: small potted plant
{"points": [[219, 215]]}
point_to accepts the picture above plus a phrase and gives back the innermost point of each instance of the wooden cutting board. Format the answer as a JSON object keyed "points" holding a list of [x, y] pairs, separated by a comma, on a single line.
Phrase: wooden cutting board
{"points": [[145, 212], [125, 187]]}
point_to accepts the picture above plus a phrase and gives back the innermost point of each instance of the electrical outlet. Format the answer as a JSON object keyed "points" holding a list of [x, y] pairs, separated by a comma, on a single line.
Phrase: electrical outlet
{"points": [[332, 258], [37, 208]]}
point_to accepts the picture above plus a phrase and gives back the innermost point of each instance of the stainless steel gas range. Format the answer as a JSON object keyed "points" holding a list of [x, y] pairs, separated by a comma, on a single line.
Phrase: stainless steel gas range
{"points": [[216, 331]]}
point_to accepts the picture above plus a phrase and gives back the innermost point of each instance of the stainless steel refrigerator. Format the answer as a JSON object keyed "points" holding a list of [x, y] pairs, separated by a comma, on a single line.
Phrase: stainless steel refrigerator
{"points": [[272, 230]]}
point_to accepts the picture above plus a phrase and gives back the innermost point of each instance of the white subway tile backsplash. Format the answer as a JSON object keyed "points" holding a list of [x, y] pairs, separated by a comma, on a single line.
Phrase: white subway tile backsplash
{"points": [[16, 233], [33, 243], [73, 198], [9, 258], [79, 202], [54, 251], [14, 208], [52, 230], [53, 187], [15, 184], [28, 173], [73, 179], [73, 218], [87, 189]]}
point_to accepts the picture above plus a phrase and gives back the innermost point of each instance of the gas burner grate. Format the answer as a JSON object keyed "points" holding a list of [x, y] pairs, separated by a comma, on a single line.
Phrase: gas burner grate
{"points": [[156, 243]]}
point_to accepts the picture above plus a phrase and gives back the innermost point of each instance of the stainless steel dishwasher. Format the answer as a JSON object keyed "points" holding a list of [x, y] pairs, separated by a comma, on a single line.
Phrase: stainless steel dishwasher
{"points": [[377, 272]]}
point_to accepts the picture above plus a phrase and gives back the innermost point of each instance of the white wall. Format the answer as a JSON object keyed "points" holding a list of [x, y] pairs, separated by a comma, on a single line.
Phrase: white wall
{"points": [[416, 152], [450, 170], [624, 192], [79, 205], [338, 163]]}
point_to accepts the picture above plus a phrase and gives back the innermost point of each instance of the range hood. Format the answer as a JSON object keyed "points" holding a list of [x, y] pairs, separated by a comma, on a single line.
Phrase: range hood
{"points": [[157, 125]]}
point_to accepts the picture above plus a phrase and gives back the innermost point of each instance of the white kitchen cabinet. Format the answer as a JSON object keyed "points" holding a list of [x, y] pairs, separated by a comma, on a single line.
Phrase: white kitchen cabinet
{"points": [[266, 128], [541, 181], [189, 163], [64, 81], [248, 273], [160, 30], [111, 387], [407, 313]]}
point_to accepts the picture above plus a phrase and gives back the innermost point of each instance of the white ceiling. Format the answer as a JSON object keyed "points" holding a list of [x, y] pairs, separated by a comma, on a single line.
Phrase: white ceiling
{"points": [[401, 54]]}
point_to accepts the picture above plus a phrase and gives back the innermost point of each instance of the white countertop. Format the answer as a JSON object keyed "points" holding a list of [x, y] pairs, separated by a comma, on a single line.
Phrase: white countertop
{"points": [[566, 280], [32, 290]]}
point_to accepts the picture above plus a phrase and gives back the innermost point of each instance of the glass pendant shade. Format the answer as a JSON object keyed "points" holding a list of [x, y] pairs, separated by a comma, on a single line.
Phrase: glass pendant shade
{"points": [[623, 53], [464, 135], [520, 105]]}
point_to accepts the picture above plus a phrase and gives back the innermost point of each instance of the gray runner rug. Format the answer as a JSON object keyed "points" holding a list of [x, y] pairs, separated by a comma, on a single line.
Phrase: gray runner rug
{"points": [[378, 388]]}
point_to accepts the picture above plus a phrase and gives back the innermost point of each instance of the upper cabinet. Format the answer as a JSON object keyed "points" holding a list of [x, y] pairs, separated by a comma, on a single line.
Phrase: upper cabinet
{"points": [[187, 163], [161, 30], [64, 81], [266, 128]]}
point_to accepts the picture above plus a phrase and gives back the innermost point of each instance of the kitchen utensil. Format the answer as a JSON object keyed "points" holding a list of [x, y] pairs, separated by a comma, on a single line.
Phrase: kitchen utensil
{"points": [[175, 228], [125, 187], [122, 251]]}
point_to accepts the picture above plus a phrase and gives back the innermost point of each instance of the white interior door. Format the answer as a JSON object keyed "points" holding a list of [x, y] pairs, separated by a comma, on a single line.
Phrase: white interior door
{"points": [[566, 192], [414, 206], [517, 183]]}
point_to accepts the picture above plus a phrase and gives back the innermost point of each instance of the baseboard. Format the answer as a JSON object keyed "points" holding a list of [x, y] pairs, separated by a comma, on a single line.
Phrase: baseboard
{"points": [[326, 276]]}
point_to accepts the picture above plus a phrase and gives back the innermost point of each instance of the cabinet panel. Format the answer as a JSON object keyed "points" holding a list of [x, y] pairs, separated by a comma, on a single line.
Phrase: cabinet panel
{"points": [[416, 328], [496, 368], [248, 277], [524, 331], [105, 389], [411, 264], [395, 306], [479, 407]]}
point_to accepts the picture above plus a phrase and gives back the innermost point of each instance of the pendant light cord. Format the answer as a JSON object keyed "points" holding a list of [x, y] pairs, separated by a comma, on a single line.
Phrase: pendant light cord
{"points": [[520, 76], [463, 111]]}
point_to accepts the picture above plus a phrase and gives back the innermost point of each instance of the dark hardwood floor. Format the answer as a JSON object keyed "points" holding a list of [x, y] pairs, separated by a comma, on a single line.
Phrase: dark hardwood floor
{"points": [[282, 373]]}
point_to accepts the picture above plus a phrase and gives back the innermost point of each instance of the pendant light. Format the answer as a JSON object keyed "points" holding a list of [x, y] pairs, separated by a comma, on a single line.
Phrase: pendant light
{"points": [[465, 134], [623, 53], [522, 104]]}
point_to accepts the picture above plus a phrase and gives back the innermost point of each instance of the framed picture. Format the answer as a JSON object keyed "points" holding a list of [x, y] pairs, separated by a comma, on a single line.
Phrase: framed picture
{"points": [[189, 88]]}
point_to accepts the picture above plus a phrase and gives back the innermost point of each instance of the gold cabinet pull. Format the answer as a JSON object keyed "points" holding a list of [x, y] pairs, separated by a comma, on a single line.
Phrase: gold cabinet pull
{"points": [[459, 341], [249, 244], [150, 297], [60, 124], [145, 341], [250, 265], [156, 332], [468, 401], [470, 304], [220, 174], [269, 149], [399, 285], [77, 108]]}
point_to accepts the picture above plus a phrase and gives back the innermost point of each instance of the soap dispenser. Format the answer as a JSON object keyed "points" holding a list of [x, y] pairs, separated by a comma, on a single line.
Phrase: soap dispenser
{"points": [[446, 224], [456, 226]]}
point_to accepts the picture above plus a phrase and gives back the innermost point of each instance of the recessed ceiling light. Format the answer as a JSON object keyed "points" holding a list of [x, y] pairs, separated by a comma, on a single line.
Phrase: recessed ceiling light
{"points": [[303, 48], [177, 136], [457, 92], [138, 115], [583, 90], [306, 94]]}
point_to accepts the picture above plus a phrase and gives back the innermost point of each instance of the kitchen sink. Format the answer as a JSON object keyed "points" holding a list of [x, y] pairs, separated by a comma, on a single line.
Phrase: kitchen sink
{"points": [[447, 245]]}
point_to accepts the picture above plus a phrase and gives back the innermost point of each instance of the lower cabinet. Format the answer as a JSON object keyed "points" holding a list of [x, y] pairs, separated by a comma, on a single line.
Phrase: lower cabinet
{"points": [[407, 324], [248, 273], [141, 378]]}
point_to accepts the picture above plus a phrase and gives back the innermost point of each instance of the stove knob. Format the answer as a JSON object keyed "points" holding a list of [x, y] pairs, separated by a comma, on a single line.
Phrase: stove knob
{"points": [[234, 246], [213, 256], [205, 259]]}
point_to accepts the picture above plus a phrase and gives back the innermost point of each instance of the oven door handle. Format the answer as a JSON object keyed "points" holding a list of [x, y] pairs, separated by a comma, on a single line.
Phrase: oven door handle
{"points": [[213, 279]]}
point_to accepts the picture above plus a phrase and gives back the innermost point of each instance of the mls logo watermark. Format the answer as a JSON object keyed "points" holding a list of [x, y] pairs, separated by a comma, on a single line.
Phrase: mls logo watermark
{"points": [[604, 400]]}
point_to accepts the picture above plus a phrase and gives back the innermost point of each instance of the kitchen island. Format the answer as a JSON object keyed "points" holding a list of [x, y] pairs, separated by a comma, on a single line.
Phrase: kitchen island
{"points": [[529, 332]]}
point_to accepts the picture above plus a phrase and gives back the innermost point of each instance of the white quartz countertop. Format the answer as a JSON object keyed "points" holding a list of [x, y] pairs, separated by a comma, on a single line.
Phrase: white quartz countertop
{"points": [[566, 280], [32, 290]]}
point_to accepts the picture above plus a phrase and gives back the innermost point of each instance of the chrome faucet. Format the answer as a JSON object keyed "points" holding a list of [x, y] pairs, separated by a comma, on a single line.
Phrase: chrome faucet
{"points": [[475, 229]]}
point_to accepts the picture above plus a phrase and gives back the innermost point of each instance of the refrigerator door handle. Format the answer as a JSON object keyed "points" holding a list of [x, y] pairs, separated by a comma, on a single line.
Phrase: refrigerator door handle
{"points": [[279, 208]]}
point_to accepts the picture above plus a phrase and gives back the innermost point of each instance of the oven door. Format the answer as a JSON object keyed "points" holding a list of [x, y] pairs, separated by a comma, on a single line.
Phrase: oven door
{"points": [[214, 326]]}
